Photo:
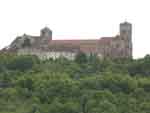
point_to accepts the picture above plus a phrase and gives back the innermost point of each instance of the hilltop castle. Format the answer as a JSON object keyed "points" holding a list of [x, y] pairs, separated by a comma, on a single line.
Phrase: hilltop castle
{"points": [[45, 47]]}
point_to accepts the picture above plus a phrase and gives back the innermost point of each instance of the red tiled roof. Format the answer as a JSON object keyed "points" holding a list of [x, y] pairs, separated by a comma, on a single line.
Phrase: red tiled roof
{"points": [[106, 40], [78, 42], [84, 45]]}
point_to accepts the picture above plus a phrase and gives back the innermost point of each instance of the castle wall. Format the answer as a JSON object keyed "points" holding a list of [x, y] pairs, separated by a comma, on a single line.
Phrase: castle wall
{"points": [[44, 47], [43, 55]]}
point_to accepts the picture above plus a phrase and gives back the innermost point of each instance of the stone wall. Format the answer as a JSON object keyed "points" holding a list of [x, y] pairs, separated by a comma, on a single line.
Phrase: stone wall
{"points": [[43, 55], [44, 47]]}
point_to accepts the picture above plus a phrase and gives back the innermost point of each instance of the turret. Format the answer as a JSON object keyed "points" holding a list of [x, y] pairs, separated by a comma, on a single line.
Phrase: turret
{"points": [[126, 36], [126, 31], [46, 34]]}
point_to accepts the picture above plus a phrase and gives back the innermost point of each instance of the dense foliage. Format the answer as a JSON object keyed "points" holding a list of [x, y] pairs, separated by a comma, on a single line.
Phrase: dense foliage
{"points": [[86, 85]]}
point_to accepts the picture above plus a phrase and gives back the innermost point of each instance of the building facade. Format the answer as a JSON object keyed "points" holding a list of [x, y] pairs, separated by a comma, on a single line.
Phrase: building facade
{"points": [[45, 47]]}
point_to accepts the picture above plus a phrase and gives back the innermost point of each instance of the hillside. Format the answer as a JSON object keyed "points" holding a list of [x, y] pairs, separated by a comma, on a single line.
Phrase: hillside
{"points": [[86, 85]]}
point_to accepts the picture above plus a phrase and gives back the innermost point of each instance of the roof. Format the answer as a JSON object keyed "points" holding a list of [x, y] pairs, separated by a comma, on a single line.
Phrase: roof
{"points": [[82, 45], [105, 40], [125, 23], [87, 46]]}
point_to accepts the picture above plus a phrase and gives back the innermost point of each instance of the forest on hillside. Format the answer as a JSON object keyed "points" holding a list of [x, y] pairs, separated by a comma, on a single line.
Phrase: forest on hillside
{"points": [[85, 85]]}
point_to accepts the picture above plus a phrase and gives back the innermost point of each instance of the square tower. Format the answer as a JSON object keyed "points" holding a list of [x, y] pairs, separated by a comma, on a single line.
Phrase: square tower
{"points": [[126, 31], [126, 36], [46, 34]]}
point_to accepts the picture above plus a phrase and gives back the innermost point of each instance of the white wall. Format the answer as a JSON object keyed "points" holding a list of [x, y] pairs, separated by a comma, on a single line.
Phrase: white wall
{"points": [[43, 55]]}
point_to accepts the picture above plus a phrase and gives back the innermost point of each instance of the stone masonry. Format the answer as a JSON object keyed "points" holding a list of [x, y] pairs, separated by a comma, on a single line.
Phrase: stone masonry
{"points": [[45, 47]]}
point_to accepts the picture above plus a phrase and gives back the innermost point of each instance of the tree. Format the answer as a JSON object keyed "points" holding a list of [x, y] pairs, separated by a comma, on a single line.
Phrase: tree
{"points": [[22, 63], [81, 58]]}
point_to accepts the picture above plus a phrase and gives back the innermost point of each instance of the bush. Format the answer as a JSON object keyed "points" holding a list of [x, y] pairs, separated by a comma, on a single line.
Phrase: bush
{"points": [[22, 63], [81, 58]]}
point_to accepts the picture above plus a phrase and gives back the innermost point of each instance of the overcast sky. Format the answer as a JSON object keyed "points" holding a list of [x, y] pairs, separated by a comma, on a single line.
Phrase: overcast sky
{"points": [[75, 19]]}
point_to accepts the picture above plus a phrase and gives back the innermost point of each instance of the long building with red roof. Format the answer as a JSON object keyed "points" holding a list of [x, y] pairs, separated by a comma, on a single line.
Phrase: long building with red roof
{"points": [[45, 47]]}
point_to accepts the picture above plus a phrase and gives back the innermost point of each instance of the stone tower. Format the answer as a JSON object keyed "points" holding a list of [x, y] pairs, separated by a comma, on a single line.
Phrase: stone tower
{"points": [[46, 35], [126, 37]]}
